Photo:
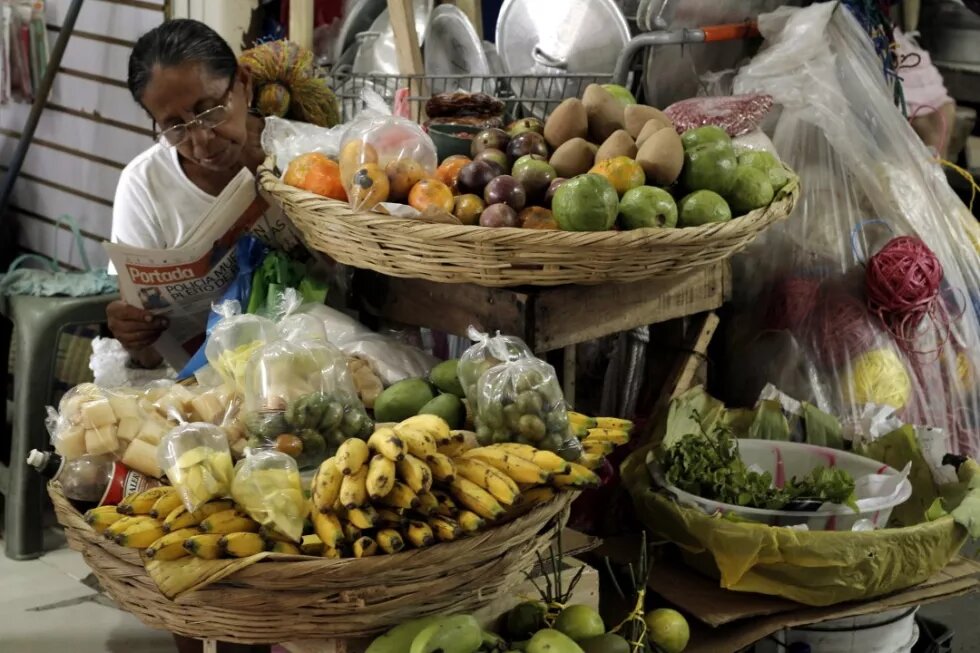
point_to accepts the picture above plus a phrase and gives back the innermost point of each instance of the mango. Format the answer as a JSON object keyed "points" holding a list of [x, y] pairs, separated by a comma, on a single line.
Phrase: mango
{"points": [[552, 641], [580, 622], [445, 376], [447, 406], [402, 400]]}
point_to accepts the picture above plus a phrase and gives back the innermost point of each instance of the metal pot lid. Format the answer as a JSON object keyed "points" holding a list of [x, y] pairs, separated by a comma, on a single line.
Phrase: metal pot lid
{"points": [[376, 51], [555, 37], [358, 19], [452, 47]]}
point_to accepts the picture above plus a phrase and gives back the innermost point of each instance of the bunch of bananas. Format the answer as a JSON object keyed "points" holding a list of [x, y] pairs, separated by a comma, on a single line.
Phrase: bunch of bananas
{"points": [[417, 483], [599, 436]]}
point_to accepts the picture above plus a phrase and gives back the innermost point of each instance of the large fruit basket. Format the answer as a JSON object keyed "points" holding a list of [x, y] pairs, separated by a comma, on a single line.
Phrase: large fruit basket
{"points": [[298, 598], [404, 247]]}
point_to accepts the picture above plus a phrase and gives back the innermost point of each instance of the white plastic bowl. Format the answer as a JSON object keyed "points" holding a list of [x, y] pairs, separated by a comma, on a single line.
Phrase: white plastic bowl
{"points": [[784, 460]]}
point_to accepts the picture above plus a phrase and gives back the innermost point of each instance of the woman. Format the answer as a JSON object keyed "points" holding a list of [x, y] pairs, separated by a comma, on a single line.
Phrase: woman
{"points": [[200, 96]]}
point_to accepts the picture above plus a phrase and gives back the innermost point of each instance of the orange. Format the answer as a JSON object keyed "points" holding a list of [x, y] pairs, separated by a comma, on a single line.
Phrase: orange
{"points": [[448, 172], [402, 175], [431, 193], [622, 172], [316, 173], [537, 217]]}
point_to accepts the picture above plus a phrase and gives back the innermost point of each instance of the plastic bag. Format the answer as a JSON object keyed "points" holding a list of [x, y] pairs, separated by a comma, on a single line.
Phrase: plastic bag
{"points": [[284, 140], [110, 366], [875, 210], [486, 352], [197, 461], [300, 399], [382, 156], [391, 360], [521, 401], [234, 339], [267, 486], [737, 114]]}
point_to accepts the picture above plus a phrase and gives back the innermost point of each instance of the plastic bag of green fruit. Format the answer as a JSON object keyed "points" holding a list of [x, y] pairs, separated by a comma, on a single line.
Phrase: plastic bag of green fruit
{"points": [[198, 463], [300, 399], [267, 486], [486, 352], [521, 401]]}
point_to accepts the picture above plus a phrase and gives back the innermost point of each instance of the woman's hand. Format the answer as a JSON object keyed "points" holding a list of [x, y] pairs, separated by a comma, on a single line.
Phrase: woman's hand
{"points": [[135, 328]]}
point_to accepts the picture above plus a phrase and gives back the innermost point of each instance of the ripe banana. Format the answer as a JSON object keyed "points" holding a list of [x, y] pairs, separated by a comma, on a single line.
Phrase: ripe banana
{"points": [[351, 532], [428, 503], [445, 529], [364, 518], [390, 540], [501, 486], [180, 517], [352, 454], [381, 476], [171, 545], [142, 502], [326, 485], [353, 489], [401, 496], [616, 436], [332, 554], [311, 545], [141, 533], [522, 471], [436, 427], [536, 496], [286, 548], [385, 442], [419, 533], [447, 507], [549, 461], [475, 498], [580, 424], [591, 460], [449, 439], [112, 530], [416, 474], [615, 423], [102, 517], [470, 522], [328, 529], [165, 505], [204, 546], [273, 535], [364, 547], [442, 467], [599, 447], [391, 518], [229, 521], [242, 545], [577, 478]]}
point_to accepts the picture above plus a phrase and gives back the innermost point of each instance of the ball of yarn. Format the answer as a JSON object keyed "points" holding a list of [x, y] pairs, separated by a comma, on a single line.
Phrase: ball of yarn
{"points": [[791, 302], [273, 100], [841, 328], [879, 377], [902, 283], [287, 65]]}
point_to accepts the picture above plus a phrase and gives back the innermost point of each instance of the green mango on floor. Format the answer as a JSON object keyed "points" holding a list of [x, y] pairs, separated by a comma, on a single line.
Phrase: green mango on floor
{"points": [[457, 634], [399, 639], [608, 643], [552, 641], [580, 622]]}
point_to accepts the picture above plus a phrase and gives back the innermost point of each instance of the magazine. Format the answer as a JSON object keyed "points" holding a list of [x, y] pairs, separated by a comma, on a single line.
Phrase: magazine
{"points": [[183, 282]]}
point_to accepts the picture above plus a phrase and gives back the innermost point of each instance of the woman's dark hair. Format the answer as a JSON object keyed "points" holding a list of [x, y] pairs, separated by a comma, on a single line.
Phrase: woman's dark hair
{"points": [[176, 42]]}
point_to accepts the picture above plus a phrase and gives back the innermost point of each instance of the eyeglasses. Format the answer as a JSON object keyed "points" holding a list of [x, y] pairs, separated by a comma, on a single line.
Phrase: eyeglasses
{"points": [[213, 117]]}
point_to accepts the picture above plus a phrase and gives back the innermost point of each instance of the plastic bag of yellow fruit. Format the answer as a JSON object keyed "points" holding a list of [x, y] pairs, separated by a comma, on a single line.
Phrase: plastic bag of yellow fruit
{"points": [[198, 463], [267, 487], [234, 339]]}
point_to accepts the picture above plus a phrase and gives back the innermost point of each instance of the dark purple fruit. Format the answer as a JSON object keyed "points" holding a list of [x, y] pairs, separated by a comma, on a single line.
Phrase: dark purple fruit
{"points": [[534, 175], [506, 190], [518, 127], [474, 177], [550, 193], [498, 215], [527, 143], [492, 138], [497, 157]]}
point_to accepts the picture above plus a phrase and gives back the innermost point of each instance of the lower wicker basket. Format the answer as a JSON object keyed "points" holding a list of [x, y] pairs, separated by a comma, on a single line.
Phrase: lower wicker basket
{"points": [[278, 601]]}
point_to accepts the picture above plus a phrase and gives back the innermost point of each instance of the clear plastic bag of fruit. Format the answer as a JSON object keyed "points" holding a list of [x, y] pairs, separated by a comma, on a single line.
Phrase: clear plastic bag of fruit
{"points": [[267, 486], [234, 339], [300, 399], [486, 352], [293, 323], [382, 156], [196, 459], [521, 401]]}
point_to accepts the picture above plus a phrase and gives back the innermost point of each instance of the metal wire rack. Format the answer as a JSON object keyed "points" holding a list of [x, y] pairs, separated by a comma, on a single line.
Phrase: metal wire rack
{"points": [[523, 95]]}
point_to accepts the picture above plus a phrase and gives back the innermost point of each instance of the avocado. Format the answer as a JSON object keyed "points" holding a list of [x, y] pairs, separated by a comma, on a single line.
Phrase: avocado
{"points": [[402, 400], [448, 407], [445, 376]]}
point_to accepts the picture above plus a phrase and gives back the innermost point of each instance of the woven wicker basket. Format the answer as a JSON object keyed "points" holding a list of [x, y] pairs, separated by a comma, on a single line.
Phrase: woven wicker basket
{"points": [[403, 247], [278, 601]]}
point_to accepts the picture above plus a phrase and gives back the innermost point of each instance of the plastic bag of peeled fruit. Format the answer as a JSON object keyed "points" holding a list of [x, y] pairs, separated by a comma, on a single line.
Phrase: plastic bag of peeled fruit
{"points": [[197, 461], [383, 156], [521, 401], [267, 486], [234, 339], [486, 352]]}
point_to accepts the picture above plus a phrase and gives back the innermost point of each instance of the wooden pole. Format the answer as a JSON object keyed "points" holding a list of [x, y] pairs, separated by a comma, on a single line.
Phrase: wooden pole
{"points": [[402, 15], [301, 22]]}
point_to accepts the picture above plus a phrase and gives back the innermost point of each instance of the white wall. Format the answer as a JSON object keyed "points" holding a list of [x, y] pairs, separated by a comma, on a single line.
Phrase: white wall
{"points": [[229, 18], [89, 130]]}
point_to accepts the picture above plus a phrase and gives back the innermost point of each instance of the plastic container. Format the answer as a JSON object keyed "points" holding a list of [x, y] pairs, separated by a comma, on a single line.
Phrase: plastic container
{"points": [[887, 487], [894, 631]]}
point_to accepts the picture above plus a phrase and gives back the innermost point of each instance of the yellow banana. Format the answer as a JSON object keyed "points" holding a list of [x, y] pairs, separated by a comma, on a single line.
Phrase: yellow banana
{"points": [[171, 545], [401, 496], [229, 521], [445, 529], [443, 469], [600, 447], [475, 498], [447, 507], [351, 532], [286, 548], [577, 478], [615, 423], [381, 476], [390, 540], [165, 505], [142, 502], [353, 489], [140, 534], [453, 449], [331, 553], [498, 484], [391, 518], [364, 518], [365, 546], [328, 529], [520, 470], [385, 442], [416, 474], [428, 503], [549, 461], [470, 522], [352, 454], [326, 485], [180, 517], [616, 436], [242, 545], [273, 535], [449, 439], [205, 545], [102, 517], [419, 533], [591, 460], [311, 545], [115, 528], [536, 496], [580, 424], [433, 425]]}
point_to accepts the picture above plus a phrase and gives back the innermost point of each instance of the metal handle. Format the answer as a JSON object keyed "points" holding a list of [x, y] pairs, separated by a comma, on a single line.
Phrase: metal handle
{"points": [[545, 59]]}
